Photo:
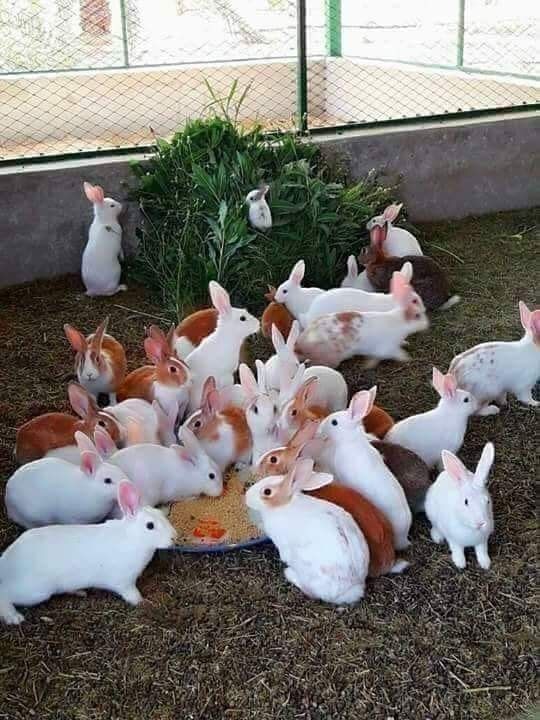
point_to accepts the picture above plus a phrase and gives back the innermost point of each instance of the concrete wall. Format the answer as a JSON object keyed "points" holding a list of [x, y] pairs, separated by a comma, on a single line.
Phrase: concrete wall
{"points": [[446, 170]]}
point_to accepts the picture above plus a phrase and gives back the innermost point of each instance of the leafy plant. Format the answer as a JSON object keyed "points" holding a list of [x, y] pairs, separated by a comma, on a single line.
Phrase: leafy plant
{"points": [[192, 195]]}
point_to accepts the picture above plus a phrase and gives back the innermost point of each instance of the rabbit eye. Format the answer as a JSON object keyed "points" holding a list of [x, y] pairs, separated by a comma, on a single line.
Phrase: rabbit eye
{"points": [[112, 204], [334, 422], [267, 491], [255, 409], [275, 408], [466, 399], [418, 316], [173, 369], [197, 424], [149, 525], [466, 501], [273, 459], [107, 481], [285, 291], [294, 412], [212, 476], [242, 318], [101, 423]]}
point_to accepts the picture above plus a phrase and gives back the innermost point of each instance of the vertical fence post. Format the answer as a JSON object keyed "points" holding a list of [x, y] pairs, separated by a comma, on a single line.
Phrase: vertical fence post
{"points": [[125, 41], [461, 33], [333, 27], [301, 66]]}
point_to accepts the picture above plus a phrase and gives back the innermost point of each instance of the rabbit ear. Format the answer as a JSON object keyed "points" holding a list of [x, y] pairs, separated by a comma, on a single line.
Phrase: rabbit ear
{"points": [[352, 267], [76, 339], [170, 337], [400, 288], [392, 211], [454, 467], [524, 315], [313, 448], [90, 461], [220, 298], [271, 294], [94, 193], [155, 350], [297, 273], [83, 404], [302, 476], [406, 270], [134, 431], [294, 334], [129, 499], [104, 443], [307, 389], [84, 443], [277, 339], [362, 403], [248, 382], [449, 385], [484, 464], [304, 434], [208, 387], [317, 480], [97, 340], [534, 323], [437, 381], [261, 376]]}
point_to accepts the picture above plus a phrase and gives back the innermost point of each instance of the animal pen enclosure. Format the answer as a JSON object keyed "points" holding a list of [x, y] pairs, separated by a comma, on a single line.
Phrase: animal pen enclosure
{"points": [[103, 75]]}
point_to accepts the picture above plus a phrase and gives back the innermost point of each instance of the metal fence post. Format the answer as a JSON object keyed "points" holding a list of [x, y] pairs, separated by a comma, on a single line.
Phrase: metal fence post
{"points": [[123, 20], [461, 33], [333, 27], [301, 66]]}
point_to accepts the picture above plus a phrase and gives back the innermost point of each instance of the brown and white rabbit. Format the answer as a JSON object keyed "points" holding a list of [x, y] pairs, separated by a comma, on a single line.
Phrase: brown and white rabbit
{"points": [[221, 428], [275, 314], [100, 360], [189, 333], [167, 380], [375, 526], [57, 430], [428, 279]]}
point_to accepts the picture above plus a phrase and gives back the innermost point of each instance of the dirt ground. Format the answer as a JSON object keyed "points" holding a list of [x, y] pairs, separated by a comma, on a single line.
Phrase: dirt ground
{"points": [[226, 636]]}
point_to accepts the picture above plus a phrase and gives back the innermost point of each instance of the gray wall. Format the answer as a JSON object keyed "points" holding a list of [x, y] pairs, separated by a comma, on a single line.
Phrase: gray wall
{"points": [[446, 170]]}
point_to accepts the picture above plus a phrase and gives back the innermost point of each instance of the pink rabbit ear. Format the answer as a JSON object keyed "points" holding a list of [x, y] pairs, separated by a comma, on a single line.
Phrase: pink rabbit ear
{"points": [[90, 461], [76, 339], [525, 315], [134, 431], [104, 443], [185, 454], [94, 193], [308, 389], [294, 334], [129, 499], [534, 323], [449, 385], [312, 449], [220, 298], [400, 289], [297, 273], [352, 266], [155, 350], [81, 401], [84, 443], [304, 434], [248, 381], [392, 211], [454, 467], [362, 403], [438, 381], [484, 464], [300, 474]]}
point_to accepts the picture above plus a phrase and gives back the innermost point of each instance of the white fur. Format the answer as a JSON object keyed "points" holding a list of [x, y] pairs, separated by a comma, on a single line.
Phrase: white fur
{"points": [[259, 213], [183, 346], [399, 242], [491, 370], [325, 551], [297, 299], [442, 428], [218, 355], [357, 464], [261, 411], [222, 448], [101, 257], [458, 505], [140, 411], [108, 556], [354, 280]]}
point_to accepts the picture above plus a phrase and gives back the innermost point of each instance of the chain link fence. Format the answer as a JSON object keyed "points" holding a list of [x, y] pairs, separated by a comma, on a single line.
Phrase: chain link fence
{"points": [[90, 75]]}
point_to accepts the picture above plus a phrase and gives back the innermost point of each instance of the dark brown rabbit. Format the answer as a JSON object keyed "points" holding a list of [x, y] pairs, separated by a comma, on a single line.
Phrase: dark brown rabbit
{"points": [[428, 278], [410, 471]]}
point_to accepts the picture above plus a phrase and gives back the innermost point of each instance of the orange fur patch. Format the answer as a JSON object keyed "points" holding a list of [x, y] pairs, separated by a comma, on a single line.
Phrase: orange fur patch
{"points": [[378, 422], [138, 384], [278, 315], [198, 325]]}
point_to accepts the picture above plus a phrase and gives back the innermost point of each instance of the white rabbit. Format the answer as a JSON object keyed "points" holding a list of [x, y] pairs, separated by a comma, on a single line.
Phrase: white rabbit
{"points": [[397, 241], [354, 280], [442, 428], [221, 427], [53, 491], [282, 374], [165, 474], [259, 213], [101, 257], [297, 299], [325, 552], [109, 556], [458, 506], [261, 411], [331, 339], [350, 299], [218, 355], [356, 463], [493, 369]]}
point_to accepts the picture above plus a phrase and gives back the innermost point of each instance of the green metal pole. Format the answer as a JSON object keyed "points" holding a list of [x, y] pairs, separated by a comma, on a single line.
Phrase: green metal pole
{"points": [[461, 34], [333, 27], [301, 67], [123, 20]]}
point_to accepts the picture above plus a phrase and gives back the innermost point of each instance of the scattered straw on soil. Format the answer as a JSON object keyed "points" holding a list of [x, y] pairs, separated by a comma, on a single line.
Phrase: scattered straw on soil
{"points": [[226, 636]]}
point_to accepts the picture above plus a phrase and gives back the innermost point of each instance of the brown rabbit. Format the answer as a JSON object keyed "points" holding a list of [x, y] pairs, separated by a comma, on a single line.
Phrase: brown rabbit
{"points": [[410, 471], [373, 523], [100, 362], [428, 278], [55, 430], [275, 314]]}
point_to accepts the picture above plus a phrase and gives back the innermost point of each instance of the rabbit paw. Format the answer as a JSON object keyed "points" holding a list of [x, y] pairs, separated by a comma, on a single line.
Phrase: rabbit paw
{"points": [[482, 556], [458, 556], [436, 536], [10, 616], [132, 596], [489, 410]]}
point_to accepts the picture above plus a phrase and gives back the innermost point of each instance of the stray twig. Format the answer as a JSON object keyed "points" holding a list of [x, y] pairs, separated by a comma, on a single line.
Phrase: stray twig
{"points": [[140, 312], [487, 689], [448, 252]]}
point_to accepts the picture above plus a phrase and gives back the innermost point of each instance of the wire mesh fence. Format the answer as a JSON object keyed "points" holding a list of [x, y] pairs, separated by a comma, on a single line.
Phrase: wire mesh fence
{"points": [[87, 75]]}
